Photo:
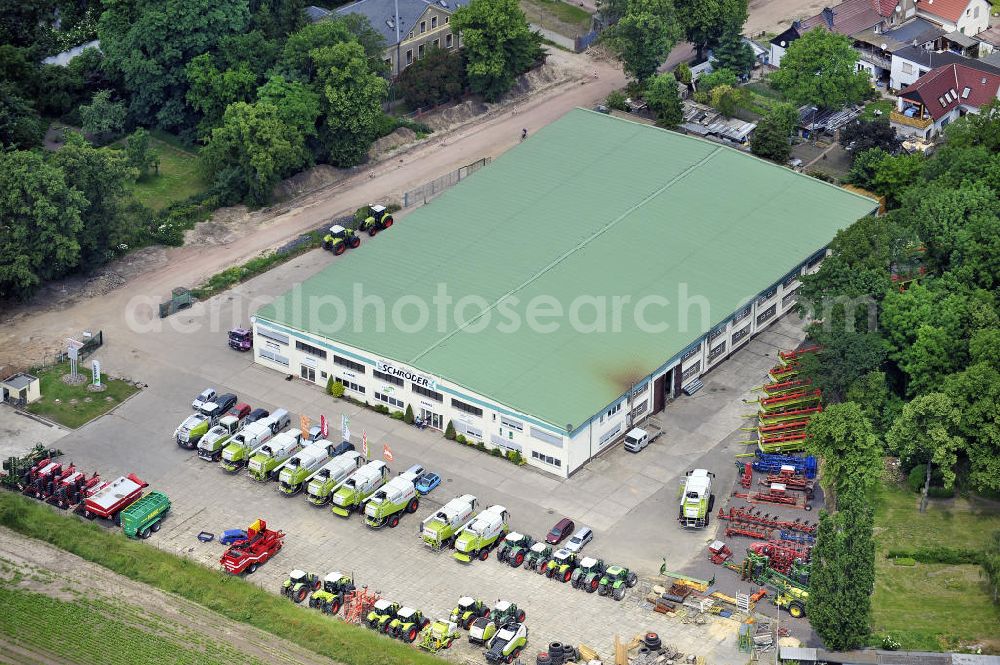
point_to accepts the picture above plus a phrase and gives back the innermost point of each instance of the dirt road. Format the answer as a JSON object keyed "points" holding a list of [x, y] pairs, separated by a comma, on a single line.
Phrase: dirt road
{"points": [[25, 336], [776, 15]]}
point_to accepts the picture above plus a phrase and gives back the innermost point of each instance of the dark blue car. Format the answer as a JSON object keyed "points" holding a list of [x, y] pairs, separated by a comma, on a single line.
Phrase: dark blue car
{"points": [[230, 536], [426, 482]]}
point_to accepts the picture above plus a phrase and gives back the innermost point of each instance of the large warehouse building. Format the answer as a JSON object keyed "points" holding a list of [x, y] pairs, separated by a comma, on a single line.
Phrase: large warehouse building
{"points": [[565, 292]]}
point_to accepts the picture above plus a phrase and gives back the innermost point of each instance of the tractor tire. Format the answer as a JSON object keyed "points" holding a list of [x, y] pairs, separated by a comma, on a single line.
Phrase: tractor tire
{"points": [[503, 554], [412, 635], [387, 222], [317, 584], [796, 609], [577, 582], [372, 231], [252, 569], [468, 623], [569, 653], [484, 555], [619, 593], [517, 560], [394, 521], [355, 242], [301, 594], [339, 248], [541, 567], [413, 506], [708, 518], [631, 580], [144, 533], [333, 607], [711, 502], [567, 576], [156, 526], [543, 658], [602, 590], [594, 583], [652, 641], [521, 616], [327, 246]]}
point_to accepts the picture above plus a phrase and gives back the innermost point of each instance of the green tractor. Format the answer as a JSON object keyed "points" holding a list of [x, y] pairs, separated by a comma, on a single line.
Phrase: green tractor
{"points": [[381, 615], [377, 219], [468, 610], [299, 584], [505, 612], [588, 576], [438, 635], [538, 557], [339, 239], [562, 565], [615, 581], [407, 624], [514, 549], [507, 644], [330, 598]]}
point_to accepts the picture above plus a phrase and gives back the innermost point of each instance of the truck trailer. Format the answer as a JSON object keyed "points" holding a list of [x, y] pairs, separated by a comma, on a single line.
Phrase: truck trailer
{"points": [[145, 515]]}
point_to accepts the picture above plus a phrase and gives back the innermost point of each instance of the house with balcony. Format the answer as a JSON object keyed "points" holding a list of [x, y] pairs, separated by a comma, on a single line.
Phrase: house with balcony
{"points": [[943, 95], [968, 17], [876, 50]]}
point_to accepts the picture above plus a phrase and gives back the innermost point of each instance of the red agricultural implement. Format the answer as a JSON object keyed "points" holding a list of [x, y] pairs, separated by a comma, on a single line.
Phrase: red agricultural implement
{"points": [[783, 427], [793, 483], [256, 549], [113, 498], [781, 373], [789, 356], [75, 489], [781, 556], [746, 477], [782, 387], [790, 400], [754, 517], [777, 495], [719, 552], [358, 603], [782, 416], [749, 531], [40, 476]]}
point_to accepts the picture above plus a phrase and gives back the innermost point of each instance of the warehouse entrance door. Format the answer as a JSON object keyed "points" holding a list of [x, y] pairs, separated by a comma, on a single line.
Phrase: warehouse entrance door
{"points": [[659, 392], [431, 418]]}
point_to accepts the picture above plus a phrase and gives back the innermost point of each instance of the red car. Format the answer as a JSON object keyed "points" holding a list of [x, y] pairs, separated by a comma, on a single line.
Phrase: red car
{"points": [[560, 531], [241, 410]]}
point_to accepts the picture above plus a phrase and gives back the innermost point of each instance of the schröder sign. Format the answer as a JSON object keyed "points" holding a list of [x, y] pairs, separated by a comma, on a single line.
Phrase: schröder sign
{"points": [[417, 378]]}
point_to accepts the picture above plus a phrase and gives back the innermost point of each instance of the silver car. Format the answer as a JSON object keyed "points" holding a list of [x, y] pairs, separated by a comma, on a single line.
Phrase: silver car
{"points": [[582, 536]]}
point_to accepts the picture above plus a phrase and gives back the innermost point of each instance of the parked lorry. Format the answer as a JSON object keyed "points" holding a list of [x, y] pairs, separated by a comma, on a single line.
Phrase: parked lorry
{"points": [[293, 474], [321, 485], [241, 339], [697, 499], [439, 529], [264, 463], [390, 502], [245, 443], [211, 444], [362, 484], [245, 556], [110, 500], [145, 515], [482, 534]]}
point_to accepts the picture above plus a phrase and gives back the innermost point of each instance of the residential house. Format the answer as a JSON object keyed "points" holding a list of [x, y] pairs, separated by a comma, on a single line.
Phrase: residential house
{"points": [[876, 50], [912, 62], [969, 17], [959, 43], [943, 95], [989, 40], [410, 27]]}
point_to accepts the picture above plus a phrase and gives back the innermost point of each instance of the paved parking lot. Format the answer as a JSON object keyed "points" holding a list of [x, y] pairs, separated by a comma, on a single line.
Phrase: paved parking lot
{"points": [[629, 500]]}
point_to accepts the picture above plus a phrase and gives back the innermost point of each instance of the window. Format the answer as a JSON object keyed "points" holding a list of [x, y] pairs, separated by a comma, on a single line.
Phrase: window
{"points": [[942, 102], [447, 41], [642, 406], [466, 428], [391, 401], [692, 352], [409, 55], [740, 334], [742, 314], [447, 19], [388, 63], [764, 297], [640, 390], [434, 22], [613, 410], [468, 408], [350, 385], [721, 330], [511, 424], [423, 27], [310, 349], [907, 68], [323, 375], [966, 90], [350, 364], [420, 51], [554, 461], [542, 435], [267, 354], [308, 373], [716, 352], [427, 392], [388, 378], [609, 435], [281, 338], [691, 371], [790, 298], [437, 43], [766, 314], [789, 281]]}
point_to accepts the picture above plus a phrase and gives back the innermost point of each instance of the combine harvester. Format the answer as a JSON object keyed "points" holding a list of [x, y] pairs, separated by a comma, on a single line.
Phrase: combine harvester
{"points": [[477, 538], [328, 478], [362, 484], [114, 497], [210, 445], [245, 556], [439, 530], [293, 474], [245, 443], [263, 466], [396, 498]]}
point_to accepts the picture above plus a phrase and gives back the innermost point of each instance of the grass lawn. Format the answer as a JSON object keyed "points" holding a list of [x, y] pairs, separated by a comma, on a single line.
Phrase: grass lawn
{"points": [[883, 105], [538, 11], [56, 402], [933, 607], [178, 178]]}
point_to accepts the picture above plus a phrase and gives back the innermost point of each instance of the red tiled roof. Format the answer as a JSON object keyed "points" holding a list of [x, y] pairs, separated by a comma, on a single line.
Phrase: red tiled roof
{"points": [[848, 17], [955, 85], [947, 9], [886, 7]]}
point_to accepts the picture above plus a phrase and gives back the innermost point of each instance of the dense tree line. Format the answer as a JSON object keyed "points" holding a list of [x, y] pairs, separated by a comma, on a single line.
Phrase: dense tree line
{"points": [[906, 311]]}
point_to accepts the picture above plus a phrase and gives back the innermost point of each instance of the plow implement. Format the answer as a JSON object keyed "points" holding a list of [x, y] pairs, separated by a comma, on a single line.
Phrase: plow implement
{"points": [[781, 373], [358, 603], [779, 416], [785, 357], [782, 387], [780, 403], [753, 517]]}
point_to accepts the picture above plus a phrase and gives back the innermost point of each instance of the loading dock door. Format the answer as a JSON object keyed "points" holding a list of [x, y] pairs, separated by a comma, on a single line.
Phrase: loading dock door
{"points": [[659, 389]]}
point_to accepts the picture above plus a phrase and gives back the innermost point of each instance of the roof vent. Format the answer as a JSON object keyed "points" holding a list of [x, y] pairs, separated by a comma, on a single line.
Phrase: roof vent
{"points": [[443, 3], [389, 22]]}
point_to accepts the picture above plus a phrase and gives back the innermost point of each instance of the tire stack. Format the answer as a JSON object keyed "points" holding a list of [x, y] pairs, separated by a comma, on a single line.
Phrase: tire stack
{"points": [[652, 650], [558, 654]]}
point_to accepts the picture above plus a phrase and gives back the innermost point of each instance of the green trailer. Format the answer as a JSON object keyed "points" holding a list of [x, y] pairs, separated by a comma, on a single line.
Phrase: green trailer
{"points": [[144, 516]]}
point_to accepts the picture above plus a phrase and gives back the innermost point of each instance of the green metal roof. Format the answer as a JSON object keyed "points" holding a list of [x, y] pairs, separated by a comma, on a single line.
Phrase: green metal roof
{"points": [[590, 205]]}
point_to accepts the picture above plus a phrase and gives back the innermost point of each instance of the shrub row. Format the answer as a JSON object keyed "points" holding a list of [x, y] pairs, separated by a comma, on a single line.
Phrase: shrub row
{"points": [[258, 265], [938, 554]]}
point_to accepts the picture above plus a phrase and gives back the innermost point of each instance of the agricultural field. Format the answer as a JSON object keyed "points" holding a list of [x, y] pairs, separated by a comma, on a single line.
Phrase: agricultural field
{"points": [[73, 406], [178, 177], [933, 607]]}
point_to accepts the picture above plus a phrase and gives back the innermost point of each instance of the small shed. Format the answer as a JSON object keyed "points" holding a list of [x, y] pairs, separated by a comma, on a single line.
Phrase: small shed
{"points": [[21, 389]]}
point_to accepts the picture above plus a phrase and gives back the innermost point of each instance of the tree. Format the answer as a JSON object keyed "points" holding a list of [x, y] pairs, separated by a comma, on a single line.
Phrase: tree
{"points": [[408, 415], [436, 78], [25, 22], [705, 22], [866, 163], [103, 176], [276, 19], [103, 118], [337, 389], [843, 437], [976, 395], [371, 41], [735, 54], [683, 73], [644, 36], [664, 100], [873, 394], [252, 50], [727, 99], [820, 68], [717, 77], [498, 43], [772, 137], [449, 431], [253, 149], [296, 58], [862, 135], [611, 11], [147, 46], [297, 104], [140, 156], [893, 175], [59, 90], [41, 220], [211, 91], [846, 356], [352, 101], [977, 129], [927, 431], [827, 572], [20, 126]]}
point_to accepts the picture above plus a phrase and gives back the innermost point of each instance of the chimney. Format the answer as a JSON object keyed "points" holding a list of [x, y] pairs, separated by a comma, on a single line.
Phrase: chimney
{"points": [[828, 16]]}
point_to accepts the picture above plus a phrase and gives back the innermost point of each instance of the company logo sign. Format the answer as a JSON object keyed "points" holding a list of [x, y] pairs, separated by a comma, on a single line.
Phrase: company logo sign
{"points": [[416, 377]]}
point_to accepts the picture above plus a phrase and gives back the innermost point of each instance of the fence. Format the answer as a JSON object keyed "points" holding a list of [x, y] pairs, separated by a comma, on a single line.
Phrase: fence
{"points": [[429, 190], [95, 342]]}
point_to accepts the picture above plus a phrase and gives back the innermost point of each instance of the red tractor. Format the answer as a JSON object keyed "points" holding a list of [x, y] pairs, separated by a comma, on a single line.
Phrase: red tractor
{"points": [[246, 555]]}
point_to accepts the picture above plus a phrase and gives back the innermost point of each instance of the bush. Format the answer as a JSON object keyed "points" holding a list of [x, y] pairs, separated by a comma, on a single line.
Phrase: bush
{"points": [[434, 79], [460, 438], [616, 101], [890, 644], [396, 415], [496, 452], [383, 409], [329, 385], [408, 415], [917, 477], [515, 457], [337, 389], [938, 554], [480, 445], [449, 431], [718, 77]]}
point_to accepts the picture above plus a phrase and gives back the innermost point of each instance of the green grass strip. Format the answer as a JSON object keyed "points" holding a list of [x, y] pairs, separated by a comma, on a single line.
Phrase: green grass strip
{"points": [[232, 597]]}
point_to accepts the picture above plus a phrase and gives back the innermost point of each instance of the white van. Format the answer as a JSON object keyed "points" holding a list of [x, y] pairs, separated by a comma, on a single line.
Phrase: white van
{"points": [[636, 440]]}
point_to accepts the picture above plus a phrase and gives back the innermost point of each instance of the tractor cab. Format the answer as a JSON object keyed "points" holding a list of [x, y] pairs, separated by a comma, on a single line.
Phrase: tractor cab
{"points": [[339, 239], [297, 576], [505, 611], [337, 582], [564, 557], [591, 565]]}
